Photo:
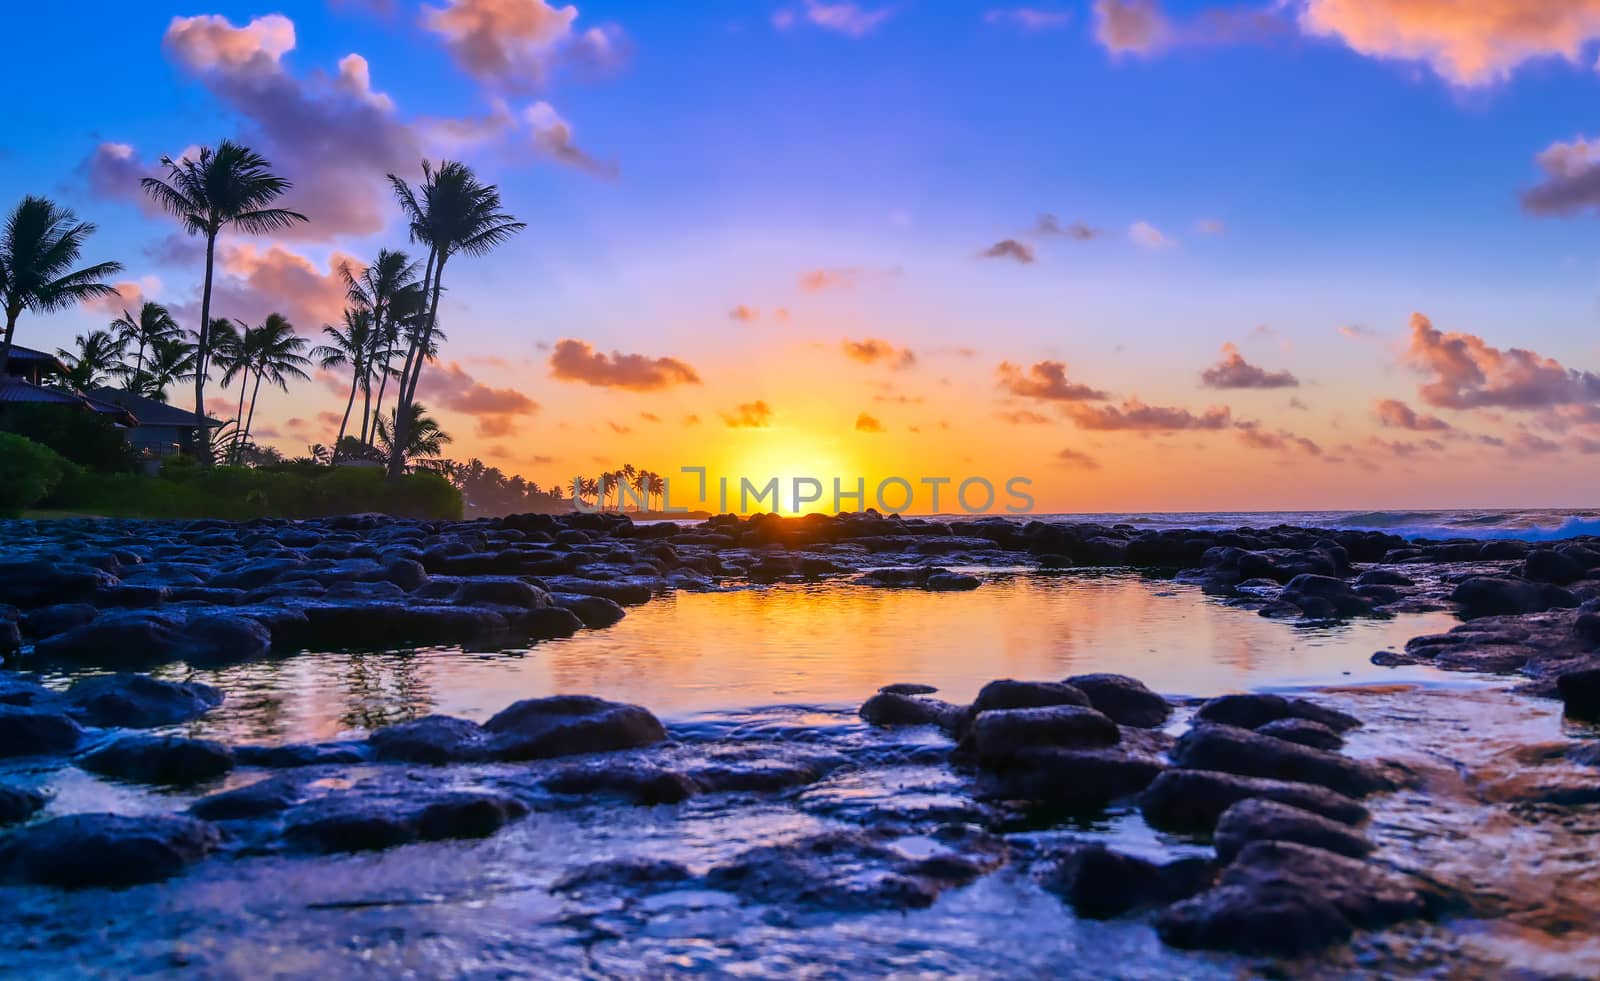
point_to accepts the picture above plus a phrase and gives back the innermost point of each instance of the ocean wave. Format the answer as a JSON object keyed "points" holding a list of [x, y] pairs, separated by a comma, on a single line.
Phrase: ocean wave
{"points": [[1534, 525]]}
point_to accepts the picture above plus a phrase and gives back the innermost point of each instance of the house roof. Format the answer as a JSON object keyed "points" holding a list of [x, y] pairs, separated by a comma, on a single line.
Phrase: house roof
{"points": [[149, 411], [15, 390], [26, 359]]}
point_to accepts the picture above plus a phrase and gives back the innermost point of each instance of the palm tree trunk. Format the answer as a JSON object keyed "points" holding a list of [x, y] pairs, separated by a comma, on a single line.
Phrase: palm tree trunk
{"points": [[138, 365], [5, 344], [238, 414], [367, 436], [355, 376], [250, 421], [408, 390], [383, 366], [202, 357]]}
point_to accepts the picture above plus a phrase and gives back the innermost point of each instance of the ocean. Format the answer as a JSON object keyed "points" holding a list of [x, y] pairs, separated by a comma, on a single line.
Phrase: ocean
{"points": [[1538, 524]]}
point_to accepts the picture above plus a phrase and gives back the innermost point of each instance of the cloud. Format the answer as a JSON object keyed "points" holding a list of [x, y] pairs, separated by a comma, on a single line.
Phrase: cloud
{"points": [[495, 427], [748, 415], [252, 282], [1397, 415], [746, 314], [1211, 226], [517, 46], [1009, 248], [1233, 371], [1356, 332], [1467, 42], [843, 278], [1023, 417], [1049, 225], [1523, 443], [130, 296], [1077, 459], [873, 350], [552, 136], [1252, 435], [1149, 236], [1028, 18], [1572, 179], [577, 361], [867, 424], [1046, 380], [113, 172], [1467, 373], [1134, 415], [1131, 26], [453, 387], [844, 18]]}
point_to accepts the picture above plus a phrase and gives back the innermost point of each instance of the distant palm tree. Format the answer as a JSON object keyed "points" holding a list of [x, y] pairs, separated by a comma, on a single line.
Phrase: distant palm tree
{"points": [[588, 487], [99, 355], [228, 186], [657, 487], [389, 290], [641, 487], [352, 346], [228, 338], [152, 321], [272, 352], [424, 438], [451, 212], [39, 246], [171, 361]]}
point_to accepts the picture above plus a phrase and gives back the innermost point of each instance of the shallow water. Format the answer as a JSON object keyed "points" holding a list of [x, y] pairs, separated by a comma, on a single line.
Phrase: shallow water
{"points": [[829, 644]]}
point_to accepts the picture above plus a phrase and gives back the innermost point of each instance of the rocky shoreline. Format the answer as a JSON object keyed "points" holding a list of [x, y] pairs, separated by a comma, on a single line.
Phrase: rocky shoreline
{"points": [[1272, 810]]}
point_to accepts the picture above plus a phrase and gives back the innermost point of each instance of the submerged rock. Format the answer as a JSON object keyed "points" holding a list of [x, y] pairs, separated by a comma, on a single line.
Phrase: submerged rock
{"points": [[1126, 701], [27, 731], [433, 739], [1266, 820], [17, 804], [170, 760], [1086, 779], [895, 709], [138, 701], [1194, 800], [1001, 733], [467, 814], [1305, 732], [1229, 749], [637, 783], [82, 850], [1099, 883], [270, 796], [1010, 694], [1251, 711], [564, 725]]}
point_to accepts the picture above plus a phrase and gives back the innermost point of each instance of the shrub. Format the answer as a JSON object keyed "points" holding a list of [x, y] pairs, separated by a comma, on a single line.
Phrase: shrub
{"points": [[28, 472], [85, 438]]}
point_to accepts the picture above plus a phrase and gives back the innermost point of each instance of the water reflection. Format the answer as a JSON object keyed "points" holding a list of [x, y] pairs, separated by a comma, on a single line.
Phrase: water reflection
{"points": [[821, 644]]}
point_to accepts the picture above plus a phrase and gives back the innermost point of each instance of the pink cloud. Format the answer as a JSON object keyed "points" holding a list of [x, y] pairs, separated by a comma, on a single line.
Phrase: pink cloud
{"points": [[874, 350], [1467, 373], [1046, 380], [1233, 371], [577, 361], [1137, 416]]}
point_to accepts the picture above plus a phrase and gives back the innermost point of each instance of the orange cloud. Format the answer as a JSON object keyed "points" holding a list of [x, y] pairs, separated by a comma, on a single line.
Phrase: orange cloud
{"points": [[517, 45], [1131, 26], [873, 350], [1135, 415], [255, 282], [867, 424], [1469, 374], [1397, 415], [1077, 459], [1252, 435], [848, 277], [578, 361], [130, 296], [1468, 42], [749, 415], [1023, 417], [1046, 380], [1233, 371]]}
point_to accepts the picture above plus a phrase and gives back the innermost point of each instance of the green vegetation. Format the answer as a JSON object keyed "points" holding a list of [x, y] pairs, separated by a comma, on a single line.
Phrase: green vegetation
{"points": [[287, 490], [85, 438], [28, 472]]}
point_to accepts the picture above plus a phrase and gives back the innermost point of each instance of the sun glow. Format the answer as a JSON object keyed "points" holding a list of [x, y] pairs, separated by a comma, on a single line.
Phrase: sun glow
{"points": [[790, 458]]}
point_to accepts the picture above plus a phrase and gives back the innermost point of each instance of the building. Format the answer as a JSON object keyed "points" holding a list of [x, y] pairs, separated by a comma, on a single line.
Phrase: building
{"points": [[150, 426], [160, 429]]}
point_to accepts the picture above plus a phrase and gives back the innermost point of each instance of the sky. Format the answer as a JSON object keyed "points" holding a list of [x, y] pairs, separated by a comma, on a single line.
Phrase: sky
{"points": [[1144, 255]]}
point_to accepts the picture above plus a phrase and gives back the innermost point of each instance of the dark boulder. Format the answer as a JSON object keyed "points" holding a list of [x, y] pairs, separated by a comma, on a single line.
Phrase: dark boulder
{"points": [[1265, 820], [1229, 749], [432, 739], [17, 804], [1078, 779], [222, 638], [293, 755], [26, 731], [563, 725], [1384, 577], [169, 760], [1579, 690], [1269, 920], [1251, 711], [1099, 883], [1549, 565], [117, 638], [907, 688], [999, 734], [138, 701], [1194, 800], [596, 612], [891, 709], [1009, 694], [273, 795], [341, 824], [1368, 895], [1482, 596], [82, 850], [637, 783], [47, 621], [1126, 701], [1305, 732], [40, 582], [467, 814], [1324, 596]]}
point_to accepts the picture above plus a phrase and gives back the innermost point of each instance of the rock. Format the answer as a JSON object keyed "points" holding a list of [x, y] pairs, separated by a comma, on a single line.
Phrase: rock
{"points": [[1193, 800], [627, 874], [907, 688], [40, 582], [891, 709], [946, 582], [16, 690], [1229, 749], [28, 731], [596, 612], [999, 734], [1321, 596], [341, 824], [137, 701], [1586, 630], [1124, 700], [47, 621], [1251, 711], [467, 814], [432, 739], [636, 783], [82, 850], [1079, 779], [270, 796], [563, 725], [17, 804], [1278, 920], [170, 760], [1383, 577], [1549, 565], [302, 754], [1482, 596], [220, 638], [1368, 896], [547, 623], [1099, 883], [1009, 694], [1579, 690], [1265, 820], [1305, 732], [130, 637], [762, 776]]}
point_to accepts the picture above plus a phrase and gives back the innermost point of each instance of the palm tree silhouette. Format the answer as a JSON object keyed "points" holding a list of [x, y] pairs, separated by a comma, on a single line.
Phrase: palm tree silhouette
{"points": [[152, 321], [39, 246], [98, 356], [389, 291], [272, 352], [454, 212], [216, 189], [351, 346], [171, 361], [658, 487], [424, 438]]}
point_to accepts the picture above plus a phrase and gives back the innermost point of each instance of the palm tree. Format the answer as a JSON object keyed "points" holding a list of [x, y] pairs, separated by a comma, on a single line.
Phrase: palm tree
{"points": [[153, 320], [272, 351], [99, 355], [389, 290], [228, 186], [424, 438], [228, 351], [588, 487], [641, 487], [172, 360], [38, 248], [658, 487], [451, 212], [351, 346]]}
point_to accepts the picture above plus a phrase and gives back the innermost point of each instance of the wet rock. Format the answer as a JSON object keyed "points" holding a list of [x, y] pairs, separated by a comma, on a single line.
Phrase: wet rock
{"points": [[38, 582], [82, 850], [1270, 920], [907, 688], [1099, 883], [1549, 565], [636, 783], [1194, 800], [467, 814], [1126, 701], [1251, 711], [137, 701], [432, 739], [1482, 596], [891, 709], [1079, 779], [947, 582], [270, 796], [1265, 820], [1229, 749], [1579, 691], [294, 755], [1367, 895], [47, 621], [1384, 577], [596, 612], [1586, 630], [627, 874], [17, 804], [763, 776], [564, 725], [546, 623], [1305, 732], [169, 760], [26, 731], [1010, 694], [116, 638], [344, 824], [1323, 596], [999, 734]]}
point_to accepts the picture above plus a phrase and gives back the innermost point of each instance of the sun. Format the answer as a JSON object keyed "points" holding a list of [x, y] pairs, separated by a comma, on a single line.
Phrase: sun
{"points": [[795, 460]]}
